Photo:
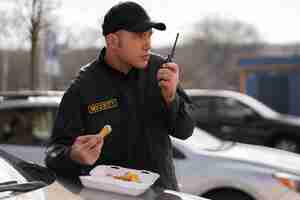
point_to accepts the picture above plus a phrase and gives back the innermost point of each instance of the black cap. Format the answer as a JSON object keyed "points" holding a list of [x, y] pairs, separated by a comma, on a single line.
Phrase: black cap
{"points": [[129, 16]]}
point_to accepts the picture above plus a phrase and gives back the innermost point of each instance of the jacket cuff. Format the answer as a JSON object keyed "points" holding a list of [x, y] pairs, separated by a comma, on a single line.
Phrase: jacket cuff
{"points": [[59, 160], [80, 168]]}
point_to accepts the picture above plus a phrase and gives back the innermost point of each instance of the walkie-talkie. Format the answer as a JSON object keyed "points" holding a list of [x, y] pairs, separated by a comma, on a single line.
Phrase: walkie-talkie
{"points": [[171, 55]]}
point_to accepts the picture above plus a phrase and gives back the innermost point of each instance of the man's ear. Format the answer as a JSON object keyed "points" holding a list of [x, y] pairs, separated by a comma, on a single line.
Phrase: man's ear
{"points": [[112, 40]]}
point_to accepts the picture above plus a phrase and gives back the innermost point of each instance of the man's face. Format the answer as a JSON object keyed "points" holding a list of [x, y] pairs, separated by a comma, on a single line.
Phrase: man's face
{"points": [[134, 48]]}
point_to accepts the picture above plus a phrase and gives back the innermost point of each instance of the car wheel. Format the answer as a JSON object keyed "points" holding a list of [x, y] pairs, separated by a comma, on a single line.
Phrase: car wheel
{"points": [[227, 194], [287, 145]]}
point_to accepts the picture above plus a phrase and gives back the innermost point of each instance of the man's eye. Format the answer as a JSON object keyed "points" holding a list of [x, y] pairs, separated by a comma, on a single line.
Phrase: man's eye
{"points": [[144, 34]]}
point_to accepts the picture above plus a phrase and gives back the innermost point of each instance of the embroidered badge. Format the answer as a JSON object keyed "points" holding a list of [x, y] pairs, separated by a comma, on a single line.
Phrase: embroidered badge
{"points": [[103, 105]]}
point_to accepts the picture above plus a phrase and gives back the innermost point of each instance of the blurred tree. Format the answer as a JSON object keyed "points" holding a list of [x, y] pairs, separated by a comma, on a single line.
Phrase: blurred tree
{"points": [[227, 31], [4, 34], [3, 25], [223, 38], [32, 18], [92, 38]]}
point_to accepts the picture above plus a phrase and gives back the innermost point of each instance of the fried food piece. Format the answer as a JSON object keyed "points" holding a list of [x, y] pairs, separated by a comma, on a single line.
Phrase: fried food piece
{"points": [[129, 176], [105, 131]]}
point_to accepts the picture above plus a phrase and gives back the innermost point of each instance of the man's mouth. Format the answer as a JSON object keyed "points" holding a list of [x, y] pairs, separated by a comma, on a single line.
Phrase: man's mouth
{"points": [[146, 57]]}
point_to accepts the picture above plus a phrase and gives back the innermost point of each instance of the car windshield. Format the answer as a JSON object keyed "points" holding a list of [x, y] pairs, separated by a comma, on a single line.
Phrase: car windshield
{"points": [[202, 140]]}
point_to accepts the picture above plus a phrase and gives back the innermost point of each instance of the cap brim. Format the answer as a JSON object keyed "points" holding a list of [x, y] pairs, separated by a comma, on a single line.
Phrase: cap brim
{"points": [[147, 25]]}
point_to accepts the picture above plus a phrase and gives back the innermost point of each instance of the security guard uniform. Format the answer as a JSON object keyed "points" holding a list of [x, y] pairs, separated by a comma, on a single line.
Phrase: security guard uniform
{"points": [[134, 107]]}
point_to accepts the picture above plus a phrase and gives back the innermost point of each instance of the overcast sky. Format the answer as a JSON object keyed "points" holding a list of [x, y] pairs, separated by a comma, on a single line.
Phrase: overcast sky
{"points": [[276, 20]]}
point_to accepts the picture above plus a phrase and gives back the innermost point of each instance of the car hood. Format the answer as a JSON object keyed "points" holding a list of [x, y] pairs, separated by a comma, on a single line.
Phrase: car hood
{"points": [[273, 158]]}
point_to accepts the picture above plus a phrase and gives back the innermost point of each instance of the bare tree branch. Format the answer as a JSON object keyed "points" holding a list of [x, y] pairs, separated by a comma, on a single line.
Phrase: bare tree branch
{"points": [[5, 30], [32, 18], [227, 31]]}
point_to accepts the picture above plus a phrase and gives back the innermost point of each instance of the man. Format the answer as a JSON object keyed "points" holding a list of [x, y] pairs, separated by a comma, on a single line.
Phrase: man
{"points": [[133, 91]]}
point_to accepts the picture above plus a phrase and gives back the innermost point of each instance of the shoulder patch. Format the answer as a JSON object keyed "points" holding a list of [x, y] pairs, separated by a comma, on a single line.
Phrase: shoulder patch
{"points": [[103, 105]]}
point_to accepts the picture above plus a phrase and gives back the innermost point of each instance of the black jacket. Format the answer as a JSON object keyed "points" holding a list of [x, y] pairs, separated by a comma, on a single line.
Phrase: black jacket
{"points": [[132, 104]]}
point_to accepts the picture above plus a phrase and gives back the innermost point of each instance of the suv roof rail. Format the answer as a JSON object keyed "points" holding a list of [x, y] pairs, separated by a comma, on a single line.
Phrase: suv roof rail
{"points": [[27, 93]]}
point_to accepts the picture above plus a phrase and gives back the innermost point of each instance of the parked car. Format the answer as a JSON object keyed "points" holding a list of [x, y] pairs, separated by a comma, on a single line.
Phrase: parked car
{"points": [[212, 168], [208, 167], [238, 117], [217, 169]]}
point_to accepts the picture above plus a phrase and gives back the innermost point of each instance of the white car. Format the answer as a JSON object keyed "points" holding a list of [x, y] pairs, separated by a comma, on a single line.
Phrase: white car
{"points": [[216, 169], [205, 165]]}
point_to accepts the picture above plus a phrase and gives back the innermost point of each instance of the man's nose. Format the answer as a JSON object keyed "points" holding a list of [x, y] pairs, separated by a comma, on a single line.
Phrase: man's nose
{"points": [[147, 43]]}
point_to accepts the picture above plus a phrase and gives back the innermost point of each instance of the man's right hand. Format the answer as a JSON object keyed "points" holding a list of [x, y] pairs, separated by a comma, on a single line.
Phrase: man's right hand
{"points": [[86, 149]]}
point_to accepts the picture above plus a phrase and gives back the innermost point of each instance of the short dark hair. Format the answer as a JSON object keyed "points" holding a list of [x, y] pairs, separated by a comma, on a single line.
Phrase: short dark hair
{"points": [[128, 16]]}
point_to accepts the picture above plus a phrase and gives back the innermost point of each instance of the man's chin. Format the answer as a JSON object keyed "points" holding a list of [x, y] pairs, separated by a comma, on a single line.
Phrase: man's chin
{"points": [[142, 65]]}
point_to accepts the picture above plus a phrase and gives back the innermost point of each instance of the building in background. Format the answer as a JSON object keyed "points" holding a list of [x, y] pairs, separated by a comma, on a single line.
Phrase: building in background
{"points": [[274, 80]]}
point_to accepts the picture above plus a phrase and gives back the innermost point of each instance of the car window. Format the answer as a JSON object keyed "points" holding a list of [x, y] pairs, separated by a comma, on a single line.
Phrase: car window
{"points": [[231, 108], [26, 126], [201, 107]]}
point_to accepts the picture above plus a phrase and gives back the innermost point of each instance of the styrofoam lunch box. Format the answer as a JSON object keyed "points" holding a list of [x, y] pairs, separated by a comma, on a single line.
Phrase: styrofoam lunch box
{"points": [[101, 177]]}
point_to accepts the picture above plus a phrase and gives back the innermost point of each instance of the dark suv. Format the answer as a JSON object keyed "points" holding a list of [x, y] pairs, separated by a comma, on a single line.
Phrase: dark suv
{"points": [[238, 117]]}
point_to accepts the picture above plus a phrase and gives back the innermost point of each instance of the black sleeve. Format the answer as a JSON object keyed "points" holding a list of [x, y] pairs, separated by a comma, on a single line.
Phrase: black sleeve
{"points": [[178, 117], [68, 125], [180, 122]]}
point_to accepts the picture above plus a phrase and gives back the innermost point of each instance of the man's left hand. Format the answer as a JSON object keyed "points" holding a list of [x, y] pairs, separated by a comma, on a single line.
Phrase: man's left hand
{"points": [[168, 77]]}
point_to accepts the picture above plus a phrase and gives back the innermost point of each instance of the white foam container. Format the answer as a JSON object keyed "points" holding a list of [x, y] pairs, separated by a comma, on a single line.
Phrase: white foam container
{"points": [[101, 177]]}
